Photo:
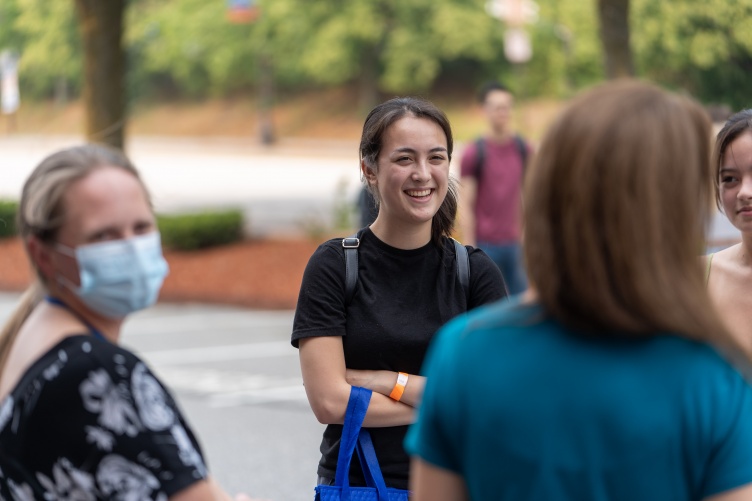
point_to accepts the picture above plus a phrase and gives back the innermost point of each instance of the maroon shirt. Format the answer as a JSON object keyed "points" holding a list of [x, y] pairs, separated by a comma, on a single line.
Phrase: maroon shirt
{"points": [[498, 199]]}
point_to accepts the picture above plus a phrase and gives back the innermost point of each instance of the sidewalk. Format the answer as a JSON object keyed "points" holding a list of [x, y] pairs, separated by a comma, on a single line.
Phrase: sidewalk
{"points": [[282, 190]]}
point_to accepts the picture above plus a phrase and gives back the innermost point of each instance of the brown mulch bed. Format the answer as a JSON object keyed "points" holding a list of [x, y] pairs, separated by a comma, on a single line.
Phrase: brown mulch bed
{"points": [[263, 274]]}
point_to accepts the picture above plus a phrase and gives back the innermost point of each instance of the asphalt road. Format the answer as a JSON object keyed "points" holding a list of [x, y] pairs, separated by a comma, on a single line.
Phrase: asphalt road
{"points": [[237, 379]]}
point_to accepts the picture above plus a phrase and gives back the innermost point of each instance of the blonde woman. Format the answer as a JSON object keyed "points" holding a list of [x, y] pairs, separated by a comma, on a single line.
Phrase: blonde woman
{"points": [[601, 383], [80, 417]]}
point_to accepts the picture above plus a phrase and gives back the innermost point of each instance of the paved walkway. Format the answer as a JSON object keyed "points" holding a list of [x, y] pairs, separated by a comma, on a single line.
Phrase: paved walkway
{"points": [[282, 190]]}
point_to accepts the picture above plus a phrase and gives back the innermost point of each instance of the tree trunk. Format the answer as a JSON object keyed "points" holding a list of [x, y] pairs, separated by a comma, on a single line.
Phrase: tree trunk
{"points": [[369, 79], [614, 32], [101, 24], [266, 99]]}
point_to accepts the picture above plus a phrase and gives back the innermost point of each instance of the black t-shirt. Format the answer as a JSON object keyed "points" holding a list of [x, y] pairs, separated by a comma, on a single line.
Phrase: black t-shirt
{"points": [[88, 421], [401, 299]]}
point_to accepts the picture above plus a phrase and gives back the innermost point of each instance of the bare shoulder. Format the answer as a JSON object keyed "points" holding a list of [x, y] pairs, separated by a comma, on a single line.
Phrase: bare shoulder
{"points": [[726, 259]]}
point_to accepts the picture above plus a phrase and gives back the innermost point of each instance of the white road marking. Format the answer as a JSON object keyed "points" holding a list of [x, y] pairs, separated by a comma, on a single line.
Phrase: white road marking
{"points": [[223, 353], [295, 393], [233, 388], [207, 321]]}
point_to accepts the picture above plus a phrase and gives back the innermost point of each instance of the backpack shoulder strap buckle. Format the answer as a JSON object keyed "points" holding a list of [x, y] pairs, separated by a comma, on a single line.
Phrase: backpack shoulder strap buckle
{"points": [[351, 242]]}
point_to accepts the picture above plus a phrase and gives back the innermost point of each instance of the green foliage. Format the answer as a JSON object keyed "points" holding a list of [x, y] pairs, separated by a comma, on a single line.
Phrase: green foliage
{"points": [[404, 42], [191, 42], [46, 36], [8, 210], [199, 230], [10, 38], [188, 48], [702, 46]]}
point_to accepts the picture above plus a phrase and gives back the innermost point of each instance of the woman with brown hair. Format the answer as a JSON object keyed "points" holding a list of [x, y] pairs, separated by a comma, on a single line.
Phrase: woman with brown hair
{"points": [[729, 272], [601, 383], [80, 417], [407, 286]]}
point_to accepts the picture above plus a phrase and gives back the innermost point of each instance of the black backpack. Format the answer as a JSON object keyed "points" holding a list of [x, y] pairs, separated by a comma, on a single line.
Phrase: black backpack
{"points": [[351, 244], [480, 163]]}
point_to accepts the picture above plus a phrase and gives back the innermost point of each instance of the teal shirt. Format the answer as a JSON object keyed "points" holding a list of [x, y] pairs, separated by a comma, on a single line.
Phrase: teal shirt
{"points": [[527, 409]]}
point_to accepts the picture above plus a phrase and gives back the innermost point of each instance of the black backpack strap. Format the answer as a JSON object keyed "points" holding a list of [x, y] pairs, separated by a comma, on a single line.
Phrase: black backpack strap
{"points": [[480, 157], [351, 244], [463, 266]]}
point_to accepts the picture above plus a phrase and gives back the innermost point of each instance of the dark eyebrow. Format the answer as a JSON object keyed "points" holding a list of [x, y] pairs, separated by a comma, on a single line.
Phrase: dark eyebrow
{"points": [[404, 150], [411, 150]]}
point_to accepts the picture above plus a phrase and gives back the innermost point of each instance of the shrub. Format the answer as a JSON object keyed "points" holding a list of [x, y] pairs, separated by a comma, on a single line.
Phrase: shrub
{"points": [[199, 230], [8, 210]]}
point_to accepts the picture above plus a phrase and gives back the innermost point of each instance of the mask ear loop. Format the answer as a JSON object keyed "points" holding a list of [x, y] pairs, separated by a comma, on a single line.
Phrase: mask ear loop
{"points": [[63, 281], [64, 249]]}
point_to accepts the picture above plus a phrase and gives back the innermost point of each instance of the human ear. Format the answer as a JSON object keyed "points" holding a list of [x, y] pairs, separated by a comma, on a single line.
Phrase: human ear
{"points": [[41, 257], [368, 173]]}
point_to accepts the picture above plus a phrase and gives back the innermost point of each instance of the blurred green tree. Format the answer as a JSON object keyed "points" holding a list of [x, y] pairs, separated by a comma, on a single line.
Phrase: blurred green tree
{"points": [[567, 53], [46, 35], [384, 45], [190, 46], [702, 46], [187, 47]]}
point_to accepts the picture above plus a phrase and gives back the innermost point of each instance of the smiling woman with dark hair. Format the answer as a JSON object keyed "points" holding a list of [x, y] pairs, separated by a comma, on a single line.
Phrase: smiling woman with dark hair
{"points": [[407, 286]]}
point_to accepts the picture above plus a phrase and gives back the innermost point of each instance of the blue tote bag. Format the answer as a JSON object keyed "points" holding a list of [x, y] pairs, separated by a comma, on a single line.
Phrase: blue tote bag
{"points": [[354, 438]]}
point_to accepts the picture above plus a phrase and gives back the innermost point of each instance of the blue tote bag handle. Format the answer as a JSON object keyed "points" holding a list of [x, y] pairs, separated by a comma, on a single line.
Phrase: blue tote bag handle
{"points": [[354, 415], [370, 464], [354, 438]]}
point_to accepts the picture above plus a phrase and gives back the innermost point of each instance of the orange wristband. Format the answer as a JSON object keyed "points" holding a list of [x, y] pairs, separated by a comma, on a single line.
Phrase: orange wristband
{"points": [[399, 387]]}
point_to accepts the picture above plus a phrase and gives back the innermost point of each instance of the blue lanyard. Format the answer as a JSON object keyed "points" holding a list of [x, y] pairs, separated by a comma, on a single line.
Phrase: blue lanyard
{"points": [[94, 332]]}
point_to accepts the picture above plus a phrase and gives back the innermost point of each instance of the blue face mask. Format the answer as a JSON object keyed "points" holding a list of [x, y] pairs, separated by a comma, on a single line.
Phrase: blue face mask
{"points": [[118, 277]]}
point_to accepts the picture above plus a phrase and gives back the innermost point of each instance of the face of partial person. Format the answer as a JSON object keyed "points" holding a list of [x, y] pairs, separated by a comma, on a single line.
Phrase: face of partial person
{"points": [[735, 181], [498, 108], [108, 204], [413, 170]]}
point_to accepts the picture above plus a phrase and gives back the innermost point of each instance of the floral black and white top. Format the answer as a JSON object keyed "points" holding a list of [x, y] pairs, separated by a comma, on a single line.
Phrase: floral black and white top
{"points": [[89, 421]]}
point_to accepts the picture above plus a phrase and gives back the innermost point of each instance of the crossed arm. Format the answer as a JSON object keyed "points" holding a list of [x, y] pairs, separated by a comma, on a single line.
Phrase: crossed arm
{"points": [[327, 383]]}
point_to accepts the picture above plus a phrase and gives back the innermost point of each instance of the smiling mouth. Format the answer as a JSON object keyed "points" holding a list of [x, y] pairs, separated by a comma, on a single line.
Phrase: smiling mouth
{"points": [[418, 193]]}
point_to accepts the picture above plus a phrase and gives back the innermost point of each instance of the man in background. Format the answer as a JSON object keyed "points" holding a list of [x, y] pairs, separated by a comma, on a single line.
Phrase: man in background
{"points": [[492, 170]]}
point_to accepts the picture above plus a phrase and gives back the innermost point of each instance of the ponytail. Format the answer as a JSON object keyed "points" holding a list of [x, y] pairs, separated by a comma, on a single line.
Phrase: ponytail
{"points": [[442, 223], [29, 300]]}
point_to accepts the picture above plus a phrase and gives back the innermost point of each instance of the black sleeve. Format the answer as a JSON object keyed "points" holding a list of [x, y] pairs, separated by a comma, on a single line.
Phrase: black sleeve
{"points": [[321, 307], [486, 282]]}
